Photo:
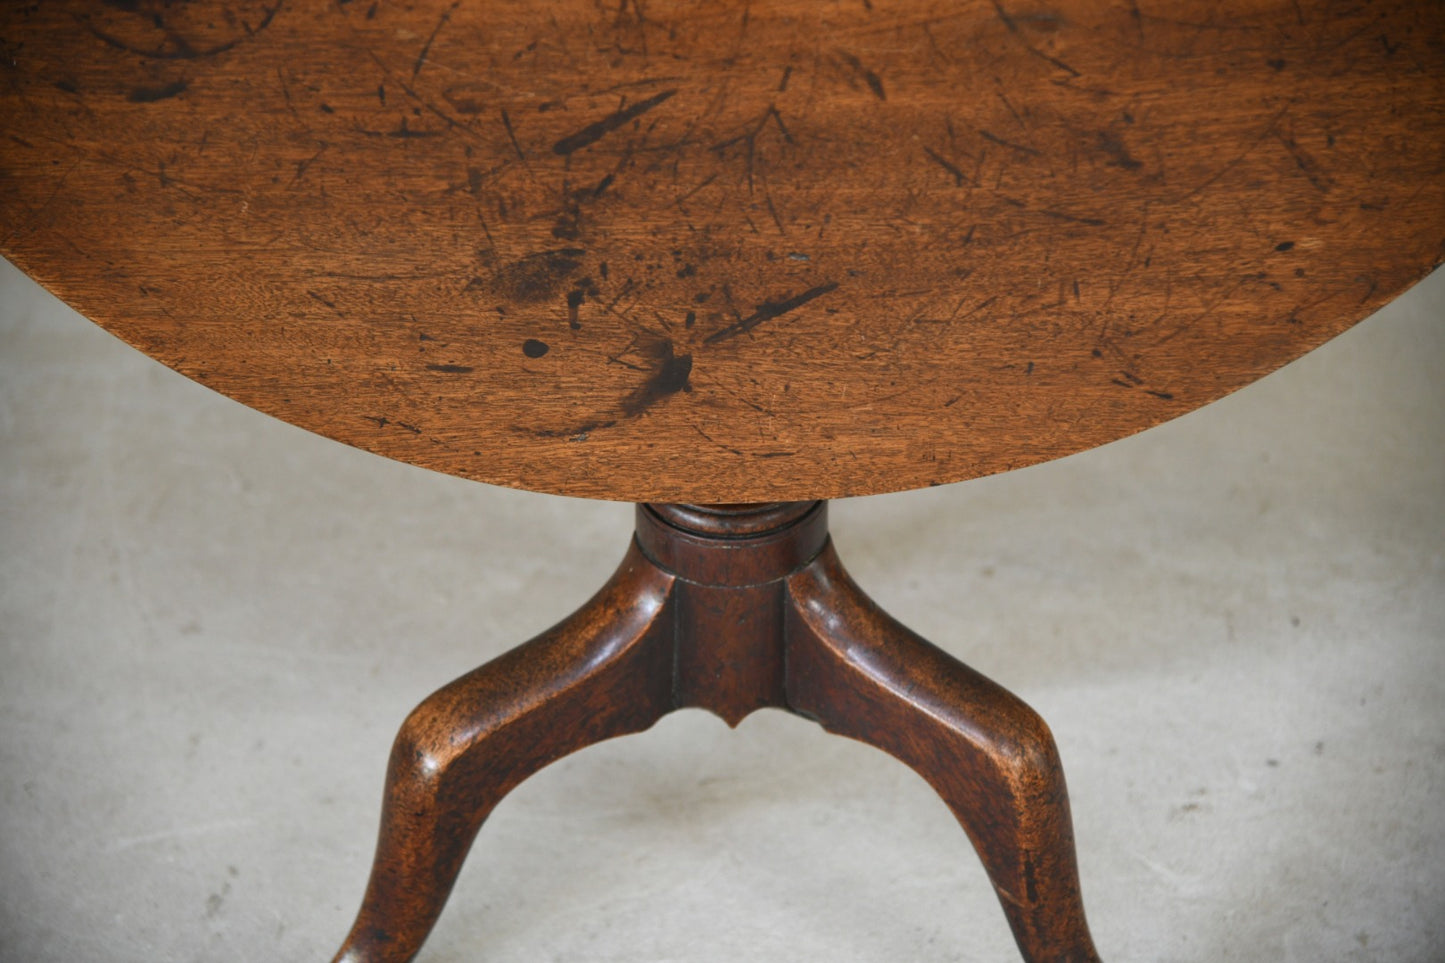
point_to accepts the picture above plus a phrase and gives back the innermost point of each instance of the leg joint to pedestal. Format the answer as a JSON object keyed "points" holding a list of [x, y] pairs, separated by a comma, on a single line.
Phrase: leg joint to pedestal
{"points": [[732, 546], [730, 564]]}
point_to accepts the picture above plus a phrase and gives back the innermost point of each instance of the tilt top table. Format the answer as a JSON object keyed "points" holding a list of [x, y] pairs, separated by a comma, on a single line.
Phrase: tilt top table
{"points": [[724, 259]]}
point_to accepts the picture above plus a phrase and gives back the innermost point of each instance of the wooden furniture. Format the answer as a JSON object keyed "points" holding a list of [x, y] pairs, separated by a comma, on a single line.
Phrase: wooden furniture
{"points": [[725, 260]]}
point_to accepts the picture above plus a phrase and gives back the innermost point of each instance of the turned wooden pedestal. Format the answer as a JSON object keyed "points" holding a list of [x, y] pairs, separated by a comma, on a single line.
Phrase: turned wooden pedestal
{"points": [[729, 609]]}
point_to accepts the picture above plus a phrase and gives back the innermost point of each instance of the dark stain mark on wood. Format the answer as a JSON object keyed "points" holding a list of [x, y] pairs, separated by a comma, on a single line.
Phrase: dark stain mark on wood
{"points": [[873, 81], [704, 183], [533, 348], [1138, 17], [769, 310], [1012, 23], [149, 95], [1111, 144], [983, 305], [749, 140], [316, 297], [994, 138], [1306, 163], [177, 46], [512, 136], [1073, 218], [406, 133], [1374, 284], [532, 279], [1161, 394], [670, 374], [569, 223], [596, 131], [303, 166], [67, 85], [426, 47], [568, 226], [946, 165], [468, 98], [1284, 246], [450, 368], [576, 433], [1276, 63], [713, 441], [574, 303]]}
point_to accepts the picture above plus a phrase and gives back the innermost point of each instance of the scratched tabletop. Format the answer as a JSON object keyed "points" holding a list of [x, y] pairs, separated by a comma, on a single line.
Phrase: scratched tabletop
{"points": [[723, 251]]}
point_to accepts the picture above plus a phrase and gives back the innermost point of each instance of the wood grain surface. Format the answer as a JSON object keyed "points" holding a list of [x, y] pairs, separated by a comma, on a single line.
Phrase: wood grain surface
{"points": [[723, 251]]}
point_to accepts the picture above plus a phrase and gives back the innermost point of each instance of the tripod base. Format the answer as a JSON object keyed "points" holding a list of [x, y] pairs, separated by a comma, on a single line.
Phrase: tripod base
{"points": [[729, 609]]}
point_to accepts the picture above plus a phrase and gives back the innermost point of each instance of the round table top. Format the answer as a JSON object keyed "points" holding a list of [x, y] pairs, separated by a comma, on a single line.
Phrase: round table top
{"points": [[729, 250]]}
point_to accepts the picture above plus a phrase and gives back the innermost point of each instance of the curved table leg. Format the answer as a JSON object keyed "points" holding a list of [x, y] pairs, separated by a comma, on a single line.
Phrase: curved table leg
{"points": [[861, 674], [603, 672]]}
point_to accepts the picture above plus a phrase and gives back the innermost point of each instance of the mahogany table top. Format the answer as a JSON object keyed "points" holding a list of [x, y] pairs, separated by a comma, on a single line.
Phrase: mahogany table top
{"points": [[730, 250]]}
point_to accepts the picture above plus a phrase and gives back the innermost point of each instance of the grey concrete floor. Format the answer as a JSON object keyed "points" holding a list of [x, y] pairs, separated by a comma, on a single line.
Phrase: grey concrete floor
{"points": [[211, 624]]}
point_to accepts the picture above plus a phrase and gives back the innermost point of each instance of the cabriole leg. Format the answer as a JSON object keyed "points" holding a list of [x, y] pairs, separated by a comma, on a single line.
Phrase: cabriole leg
{"points": [[604, 672], [861, 674]]}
